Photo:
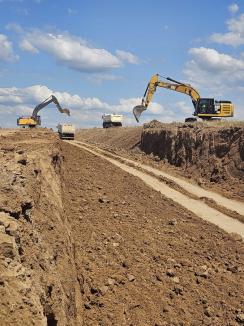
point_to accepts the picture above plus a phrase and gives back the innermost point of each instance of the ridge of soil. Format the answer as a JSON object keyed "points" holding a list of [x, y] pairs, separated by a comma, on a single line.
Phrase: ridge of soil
{"points": [[210, 155]]}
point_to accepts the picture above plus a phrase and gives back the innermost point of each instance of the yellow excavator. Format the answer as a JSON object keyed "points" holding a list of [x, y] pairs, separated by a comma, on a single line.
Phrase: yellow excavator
{"points": [[205, 108], [35, 120]]}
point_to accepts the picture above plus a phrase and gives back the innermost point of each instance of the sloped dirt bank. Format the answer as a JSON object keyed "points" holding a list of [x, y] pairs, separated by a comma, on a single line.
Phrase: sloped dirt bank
{"points": [[38, 283], [215, 154], [126, 138]]}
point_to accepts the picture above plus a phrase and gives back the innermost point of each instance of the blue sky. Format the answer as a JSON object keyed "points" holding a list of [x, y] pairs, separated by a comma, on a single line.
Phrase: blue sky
{"points": [[97, 56]]}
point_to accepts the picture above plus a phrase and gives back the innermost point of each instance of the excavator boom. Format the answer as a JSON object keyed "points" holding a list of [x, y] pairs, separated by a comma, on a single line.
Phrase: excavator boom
{"points": [[35, 120], [175, 86], [204, 108], [49, 100]]}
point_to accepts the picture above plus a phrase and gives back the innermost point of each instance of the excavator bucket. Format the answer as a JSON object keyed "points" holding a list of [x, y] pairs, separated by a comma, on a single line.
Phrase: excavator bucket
{"points": [[67, 111], [137, 111]]}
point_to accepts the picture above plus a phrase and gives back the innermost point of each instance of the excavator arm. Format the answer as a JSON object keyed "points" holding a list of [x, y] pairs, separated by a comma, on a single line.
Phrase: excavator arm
{"points": [[173, 86], [49, 100]]}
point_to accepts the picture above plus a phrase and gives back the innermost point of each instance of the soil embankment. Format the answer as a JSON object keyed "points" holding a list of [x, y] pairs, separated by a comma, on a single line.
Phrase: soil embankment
{"points": [[38, 275], [121, 138], [212, 156], [215, 154], [84, 243]]}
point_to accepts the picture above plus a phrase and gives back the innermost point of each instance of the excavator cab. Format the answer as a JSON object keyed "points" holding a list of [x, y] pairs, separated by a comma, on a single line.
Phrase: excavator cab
{"points": [[207, 108]]}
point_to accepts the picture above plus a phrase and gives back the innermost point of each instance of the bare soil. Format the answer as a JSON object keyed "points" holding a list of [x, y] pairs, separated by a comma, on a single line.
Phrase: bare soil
{"points": [[84, 243], [211, 155], [126, 138]]}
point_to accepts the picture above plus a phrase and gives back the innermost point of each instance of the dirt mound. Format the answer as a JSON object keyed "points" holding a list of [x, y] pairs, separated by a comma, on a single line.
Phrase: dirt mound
{"points": [[84, 243], [121, 138], [215, 154]]}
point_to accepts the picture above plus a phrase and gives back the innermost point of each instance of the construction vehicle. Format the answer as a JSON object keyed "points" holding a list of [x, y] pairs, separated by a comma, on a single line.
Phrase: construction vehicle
{"points": [[35, 120], [205, 108], [66, 131], [112, 120]]}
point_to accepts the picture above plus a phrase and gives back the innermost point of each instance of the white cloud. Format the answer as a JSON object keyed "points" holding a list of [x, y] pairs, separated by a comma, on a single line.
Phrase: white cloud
{"points": [[216, 75], [213, 71], [14, 27], [85, 111], [6, 50], [213, 61], [184, 107], [25, 45], [235, 34], [127, 57], [100, 77], [233, 8], [126, 105], [71, 51]]}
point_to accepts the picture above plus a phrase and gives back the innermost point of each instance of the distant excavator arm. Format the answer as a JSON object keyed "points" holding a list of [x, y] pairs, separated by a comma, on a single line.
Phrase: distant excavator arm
{"points": [[174, 86], [49, 100]]}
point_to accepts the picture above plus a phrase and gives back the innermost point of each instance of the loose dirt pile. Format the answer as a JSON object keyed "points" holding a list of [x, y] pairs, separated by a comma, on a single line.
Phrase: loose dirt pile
{"points": [[84, 243]]}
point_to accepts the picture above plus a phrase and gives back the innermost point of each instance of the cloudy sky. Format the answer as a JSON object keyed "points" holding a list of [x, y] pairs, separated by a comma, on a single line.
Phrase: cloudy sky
{"points": [[97, 57]]}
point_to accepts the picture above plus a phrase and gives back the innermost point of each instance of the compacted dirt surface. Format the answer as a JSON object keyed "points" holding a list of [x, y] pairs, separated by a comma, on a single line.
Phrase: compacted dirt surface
{"points": [[83, 242]]}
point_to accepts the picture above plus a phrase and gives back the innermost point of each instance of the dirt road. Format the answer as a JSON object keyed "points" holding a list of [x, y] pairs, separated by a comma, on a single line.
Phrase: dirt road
{"points": [[196, 206], [83, 242]]}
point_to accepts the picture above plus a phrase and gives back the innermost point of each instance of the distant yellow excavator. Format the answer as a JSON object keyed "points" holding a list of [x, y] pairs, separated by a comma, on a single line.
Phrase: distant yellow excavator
{"points": [[35, 120], [205, 108]]}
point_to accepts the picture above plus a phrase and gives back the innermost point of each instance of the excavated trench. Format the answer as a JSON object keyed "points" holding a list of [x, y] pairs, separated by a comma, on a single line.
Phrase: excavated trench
{"points": [[38, 275], [85, 243]]}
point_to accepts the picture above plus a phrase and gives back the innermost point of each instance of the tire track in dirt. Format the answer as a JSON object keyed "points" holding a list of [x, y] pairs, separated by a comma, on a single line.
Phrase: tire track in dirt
{"points": [[196, 191], [198, 207]]}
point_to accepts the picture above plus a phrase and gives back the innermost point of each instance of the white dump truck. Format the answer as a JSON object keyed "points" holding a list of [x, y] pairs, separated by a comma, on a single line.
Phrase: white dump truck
{"points": [[112, 120], [66, 131]]}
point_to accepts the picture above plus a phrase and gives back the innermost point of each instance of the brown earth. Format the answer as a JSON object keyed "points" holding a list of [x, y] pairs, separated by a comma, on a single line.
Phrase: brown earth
{"points": [[212, 156], [84, 243], [121, 138]]}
